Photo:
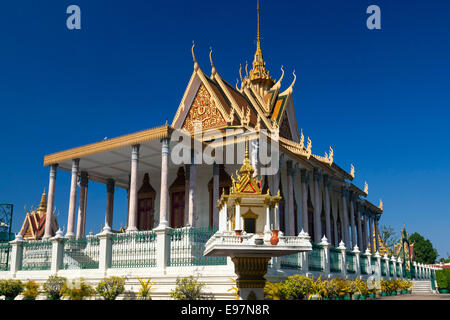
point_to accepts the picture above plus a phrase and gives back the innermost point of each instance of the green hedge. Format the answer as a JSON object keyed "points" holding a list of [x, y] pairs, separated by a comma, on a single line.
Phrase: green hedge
{"points": [[443, 278]]}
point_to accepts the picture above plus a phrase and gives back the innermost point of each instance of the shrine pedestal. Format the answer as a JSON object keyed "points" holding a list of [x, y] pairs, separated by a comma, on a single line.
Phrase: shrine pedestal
{"points": [[250, 272]]}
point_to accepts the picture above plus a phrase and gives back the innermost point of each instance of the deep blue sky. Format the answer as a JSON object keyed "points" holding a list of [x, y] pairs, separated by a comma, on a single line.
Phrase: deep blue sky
{"points": [[380, 98]]}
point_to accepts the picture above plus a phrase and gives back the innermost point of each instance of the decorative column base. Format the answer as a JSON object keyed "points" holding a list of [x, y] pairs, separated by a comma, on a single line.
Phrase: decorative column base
{"points": [[250, 272]]}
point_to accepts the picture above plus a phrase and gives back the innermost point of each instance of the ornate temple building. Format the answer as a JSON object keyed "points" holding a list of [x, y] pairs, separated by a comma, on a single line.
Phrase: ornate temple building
{"points": [[173, 206], [33, 226]]}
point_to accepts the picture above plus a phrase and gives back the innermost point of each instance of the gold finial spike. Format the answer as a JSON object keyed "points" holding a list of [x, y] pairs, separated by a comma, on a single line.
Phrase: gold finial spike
{"points": [[246, 148], [258, 37]]}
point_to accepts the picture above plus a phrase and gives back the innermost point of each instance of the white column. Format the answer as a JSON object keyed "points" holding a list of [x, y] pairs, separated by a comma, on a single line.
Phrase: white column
{"points": [[267, 209], [290, 184], [276, 216], [192, 186], [109, 203], [215, 209], [81, 221], [366, 230], [132, 222], [164, 193], [372, 249], [394, 267], [16, 254], [345, 216], [238, 219], [326, 190], [254, 157], [317, 222], [223, 217], [358, 218], [304, 182], [73, 199], [50, 202], [352, 220]]}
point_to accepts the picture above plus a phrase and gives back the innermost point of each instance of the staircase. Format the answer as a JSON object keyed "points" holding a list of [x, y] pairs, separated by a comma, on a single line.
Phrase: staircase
{"points": [[422, 287]]}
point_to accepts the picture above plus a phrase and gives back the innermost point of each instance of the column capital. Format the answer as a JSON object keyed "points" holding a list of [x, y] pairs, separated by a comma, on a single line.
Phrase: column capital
{"points": [[84, 179], [327, 181], [135, 152], [165, 146], [304, 175], [110, 184], [75, 165], [316, 174], [290, 168], [53, 168]]}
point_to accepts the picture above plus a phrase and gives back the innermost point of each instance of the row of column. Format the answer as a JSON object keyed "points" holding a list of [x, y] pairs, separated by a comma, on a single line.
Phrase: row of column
{"points": [[354, 232], [132, 192]]}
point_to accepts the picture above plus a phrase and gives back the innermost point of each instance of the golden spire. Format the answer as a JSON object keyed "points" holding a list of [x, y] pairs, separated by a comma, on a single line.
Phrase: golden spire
{"points": [[259, 72], [43, 205]]}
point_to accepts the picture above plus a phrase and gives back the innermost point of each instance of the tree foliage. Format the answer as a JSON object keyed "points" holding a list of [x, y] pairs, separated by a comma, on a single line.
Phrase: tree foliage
{"points": [[389, 236], [423, 249]]}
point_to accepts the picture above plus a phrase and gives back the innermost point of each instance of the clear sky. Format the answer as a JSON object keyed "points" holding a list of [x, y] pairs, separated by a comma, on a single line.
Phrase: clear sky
{"points": [[380, 98]]}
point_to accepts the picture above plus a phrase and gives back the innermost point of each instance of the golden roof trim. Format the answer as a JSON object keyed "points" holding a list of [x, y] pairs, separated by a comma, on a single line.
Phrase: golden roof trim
{"points": [[110, 144]]}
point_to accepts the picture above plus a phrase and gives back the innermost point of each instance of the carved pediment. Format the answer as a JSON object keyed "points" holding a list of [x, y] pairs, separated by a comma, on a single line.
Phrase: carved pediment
{"points": [[204, 109]]}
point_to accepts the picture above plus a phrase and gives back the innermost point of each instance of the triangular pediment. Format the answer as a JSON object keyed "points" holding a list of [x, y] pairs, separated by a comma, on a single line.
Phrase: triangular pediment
{"points": [[203, 101]]}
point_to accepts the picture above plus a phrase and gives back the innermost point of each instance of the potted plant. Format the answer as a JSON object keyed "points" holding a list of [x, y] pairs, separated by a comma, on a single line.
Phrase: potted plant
{"points": [[317, 290], [299, 287], [31, 290], [144, 292], [53, 287], [384, 288], [10, 288], [77, 289], [354, 289], [331, 289], [364, 290], [276, 291], [110, 288], [189, 288], [343, 289]]}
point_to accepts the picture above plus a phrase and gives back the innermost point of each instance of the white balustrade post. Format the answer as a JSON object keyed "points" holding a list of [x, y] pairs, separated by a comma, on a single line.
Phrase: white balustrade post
{"points": [[57, 251], [357, 261], [304, 255], [400, 266], [343, 250], [162, 247], [394, 271], [378, 271], [326, 255], [16, 254], [369, 261], [105, 258], [386, 261]]}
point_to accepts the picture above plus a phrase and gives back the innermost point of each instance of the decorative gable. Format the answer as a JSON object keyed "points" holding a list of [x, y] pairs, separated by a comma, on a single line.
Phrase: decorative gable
{"points": [[204, 109]]}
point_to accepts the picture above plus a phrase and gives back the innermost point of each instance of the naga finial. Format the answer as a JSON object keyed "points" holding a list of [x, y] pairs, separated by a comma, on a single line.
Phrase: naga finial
{"points": [[193, 56], [366, 187], [213, 70], [293, 82], [352, 170]]}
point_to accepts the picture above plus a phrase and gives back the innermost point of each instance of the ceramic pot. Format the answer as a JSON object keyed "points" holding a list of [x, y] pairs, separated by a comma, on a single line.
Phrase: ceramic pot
{"points": [[274, 240]]}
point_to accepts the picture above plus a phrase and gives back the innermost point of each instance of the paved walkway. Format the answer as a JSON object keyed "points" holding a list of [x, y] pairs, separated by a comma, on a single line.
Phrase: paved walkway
{"points": [[418, 297]]}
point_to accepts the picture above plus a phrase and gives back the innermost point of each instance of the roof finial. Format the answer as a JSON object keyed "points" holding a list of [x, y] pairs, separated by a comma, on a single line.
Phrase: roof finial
{"points": [[213, 70], [258, 37], [193, 56]]}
